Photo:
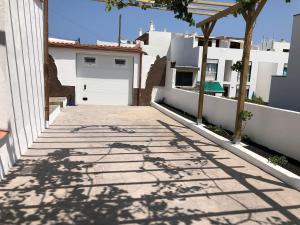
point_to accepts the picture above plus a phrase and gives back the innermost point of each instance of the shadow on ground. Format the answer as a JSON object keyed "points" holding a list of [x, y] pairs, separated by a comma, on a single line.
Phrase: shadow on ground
{"points": [[63, 188]]}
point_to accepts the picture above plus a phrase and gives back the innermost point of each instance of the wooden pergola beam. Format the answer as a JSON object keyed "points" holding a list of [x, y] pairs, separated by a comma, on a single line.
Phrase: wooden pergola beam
{"points": [[199, 2], [219, 15], [201, 13], [213, 3], [200, 7], [205, 8]]}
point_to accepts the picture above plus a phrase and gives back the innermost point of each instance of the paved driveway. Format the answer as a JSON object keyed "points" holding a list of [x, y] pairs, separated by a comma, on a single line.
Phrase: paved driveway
{"points": [[129, 165]]}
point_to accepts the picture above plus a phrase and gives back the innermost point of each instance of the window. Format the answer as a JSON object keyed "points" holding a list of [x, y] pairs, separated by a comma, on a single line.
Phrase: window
{"points": [[285, 70], [249, 74], [184, 78], [201, 42], [235, 45], [120, 62], [90, 60], [226, 91], [247, 92], [286, 50], [250, 71], [212, 69]]}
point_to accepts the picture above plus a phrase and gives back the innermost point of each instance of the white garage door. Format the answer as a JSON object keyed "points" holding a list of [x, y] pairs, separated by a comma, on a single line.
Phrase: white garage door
{"points": [[104, 80]]}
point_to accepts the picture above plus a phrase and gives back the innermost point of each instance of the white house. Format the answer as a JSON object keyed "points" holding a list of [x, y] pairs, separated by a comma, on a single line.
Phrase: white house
{"points": [[105, 74], [186, 51], [108, 74], [22, 105], [285, 92]]}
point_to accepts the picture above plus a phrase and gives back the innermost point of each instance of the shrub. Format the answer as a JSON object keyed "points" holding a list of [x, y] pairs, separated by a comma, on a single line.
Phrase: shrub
{"points": [[278, 160], [218, 130]]}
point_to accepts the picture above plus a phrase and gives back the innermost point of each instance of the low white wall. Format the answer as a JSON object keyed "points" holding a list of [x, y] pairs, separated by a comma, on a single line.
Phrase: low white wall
{"points": [[274, 128], [21, 78]]}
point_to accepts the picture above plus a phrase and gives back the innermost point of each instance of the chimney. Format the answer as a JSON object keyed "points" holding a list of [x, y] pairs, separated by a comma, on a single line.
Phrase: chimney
{"points": [[152, 27]]}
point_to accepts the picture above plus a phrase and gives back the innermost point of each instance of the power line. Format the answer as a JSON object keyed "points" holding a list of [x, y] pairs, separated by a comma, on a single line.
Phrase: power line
{"points": [[61, 37], [75, 23]]}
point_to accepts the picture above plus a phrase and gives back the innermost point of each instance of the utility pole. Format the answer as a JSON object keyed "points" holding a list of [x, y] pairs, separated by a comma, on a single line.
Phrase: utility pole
{"points": [[120, 29]]}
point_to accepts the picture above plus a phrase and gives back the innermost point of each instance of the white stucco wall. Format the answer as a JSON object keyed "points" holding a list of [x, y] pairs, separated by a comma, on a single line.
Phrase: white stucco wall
{"points": [[65, 60], [22, 112], [274, 128], [285, 92], [263, 82], [159, 44], [184, 51]]}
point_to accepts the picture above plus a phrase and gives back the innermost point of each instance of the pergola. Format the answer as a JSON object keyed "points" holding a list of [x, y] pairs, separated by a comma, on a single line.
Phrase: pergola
{"points": [[215, 10]]}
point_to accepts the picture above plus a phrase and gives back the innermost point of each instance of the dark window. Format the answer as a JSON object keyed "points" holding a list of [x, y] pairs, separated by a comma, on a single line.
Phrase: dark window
{"points": [[250, 71], [286, 50], [121, 62], [249, 74], [217, 43], [90, 60], [247, 92], [226, 91], [201, 42], [184, 78], [285, 69], [236, 45]]}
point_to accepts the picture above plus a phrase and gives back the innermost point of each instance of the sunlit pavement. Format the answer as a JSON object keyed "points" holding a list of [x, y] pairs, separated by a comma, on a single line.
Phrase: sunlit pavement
{"points": [[134, 165]]}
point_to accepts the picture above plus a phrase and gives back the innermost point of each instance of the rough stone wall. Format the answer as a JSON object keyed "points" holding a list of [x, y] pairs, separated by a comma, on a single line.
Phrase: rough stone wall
{"points": [[56, 89], [156, 77]]}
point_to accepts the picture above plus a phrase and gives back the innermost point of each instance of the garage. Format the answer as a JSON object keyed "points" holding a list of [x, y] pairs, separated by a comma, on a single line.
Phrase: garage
{"points": [[104, 79]]}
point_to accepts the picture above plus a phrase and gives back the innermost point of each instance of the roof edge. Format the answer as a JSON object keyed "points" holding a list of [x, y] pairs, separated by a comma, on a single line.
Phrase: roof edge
{"points": [[96, 47]]}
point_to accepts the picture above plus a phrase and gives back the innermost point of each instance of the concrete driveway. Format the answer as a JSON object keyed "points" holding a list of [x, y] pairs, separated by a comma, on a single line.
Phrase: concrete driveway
{"points": [[134, 165]]}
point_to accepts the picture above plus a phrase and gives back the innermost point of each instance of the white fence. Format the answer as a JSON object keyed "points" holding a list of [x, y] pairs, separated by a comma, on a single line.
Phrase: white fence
{"points": [[274, 128]]}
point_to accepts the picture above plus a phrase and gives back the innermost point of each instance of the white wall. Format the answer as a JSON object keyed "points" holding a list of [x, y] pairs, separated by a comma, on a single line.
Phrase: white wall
{"points": [[159, 43], [22, 112], [148, 60], [263, 82], [65, 60], [285, 92], [184, 51], [274, 128]]}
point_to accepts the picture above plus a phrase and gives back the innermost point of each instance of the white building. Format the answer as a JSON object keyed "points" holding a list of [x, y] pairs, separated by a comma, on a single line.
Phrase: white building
{"points": [[97, 79], [22, 105], [186, 51], [285, 92], [105, 74]]}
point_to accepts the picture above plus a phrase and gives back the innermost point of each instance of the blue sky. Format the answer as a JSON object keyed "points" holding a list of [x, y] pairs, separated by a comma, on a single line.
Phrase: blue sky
{"points": [[88, 20]]}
